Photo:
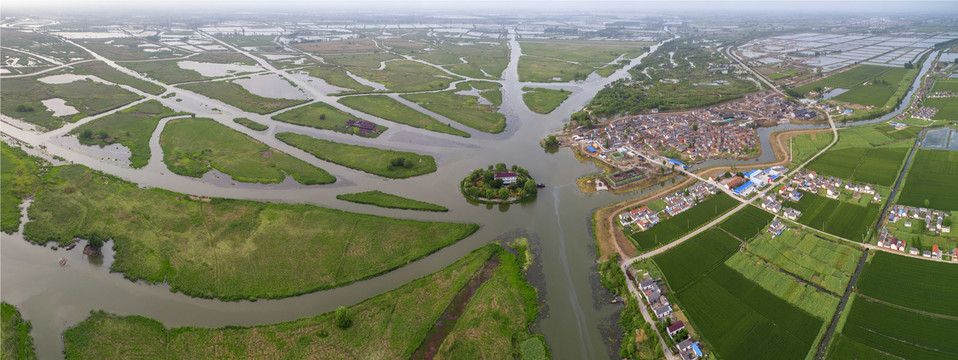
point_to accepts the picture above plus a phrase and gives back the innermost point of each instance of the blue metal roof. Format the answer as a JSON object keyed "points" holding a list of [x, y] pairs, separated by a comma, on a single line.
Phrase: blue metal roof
{"points": [[591, 149], [676, 162], [750, 173], [695, 348], [743, 187]]}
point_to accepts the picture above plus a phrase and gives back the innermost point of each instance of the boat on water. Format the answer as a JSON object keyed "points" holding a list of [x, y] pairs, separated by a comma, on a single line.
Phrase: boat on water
{"points": [[71, 246], [540, 185]]}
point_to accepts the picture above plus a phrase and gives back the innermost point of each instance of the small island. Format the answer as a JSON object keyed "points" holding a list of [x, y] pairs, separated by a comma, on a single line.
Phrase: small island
{"points": [[499, 184]]}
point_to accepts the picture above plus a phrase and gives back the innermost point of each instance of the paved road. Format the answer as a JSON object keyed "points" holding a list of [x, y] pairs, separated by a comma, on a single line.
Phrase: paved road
{"points": [[645, 314]]}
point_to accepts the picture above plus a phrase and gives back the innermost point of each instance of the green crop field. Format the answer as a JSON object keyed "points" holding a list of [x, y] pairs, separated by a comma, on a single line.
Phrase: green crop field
{"points": [[876, 166], [670, 229], [741, 320], [806, 145], [822, 213], [786, 287], [19, 178], [542, 100], [846, 79], [15, 332], [840, 163], [845, 348], [193, 147], [918, 284], [901, 332], [708, 249], [391, 324], [747, 223], [236, 95], [368, 159], [229, 249], [876, 94], [86, 96], [930, 181], [252, 125], [945, 85], [381, 199], [105, 72], [385, 107], [132, 128], [321, 115], [947, 108], [821, 262], [874, 136], [406, 76], [465, 109], [337, 76]]}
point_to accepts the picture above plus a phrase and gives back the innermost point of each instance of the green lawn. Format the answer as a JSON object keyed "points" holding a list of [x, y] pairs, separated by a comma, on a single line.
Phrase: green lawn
{"points": [[465, 109], [15, 334], [105, 72], [19, 178], [229, 249], [381, 199], [367, 159], [132, 128], [193, 147], [86, 96], [930, 181], [384, 107], [543, 101], [390, 325], [321, 115], [252, 125], [236, 95]]}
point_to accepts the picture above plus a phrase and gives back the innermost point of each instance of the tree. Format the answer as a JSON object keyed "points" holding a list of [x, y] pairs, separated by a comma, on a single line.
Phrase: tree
{"points": [[501, 167], [487, 177], [695, 127], [343, 319], [529, 187], [24, 108], [504, 193], [497, 183], [406, 163], [551, 142], [86, 134], [104, 134], [322, 116], [490, 194], [398, 161]]}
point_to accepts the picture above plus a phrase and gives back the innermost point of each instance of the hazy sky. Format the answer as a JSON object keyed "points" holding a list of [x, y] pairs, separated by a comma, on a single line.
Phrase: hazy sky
{"points": [[487, 6]]}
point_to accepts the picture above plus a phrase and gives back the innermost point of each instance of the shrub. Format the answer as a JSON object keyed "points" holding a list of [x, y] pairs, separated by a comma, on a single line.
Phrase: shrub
{"points": [[343, 319]]}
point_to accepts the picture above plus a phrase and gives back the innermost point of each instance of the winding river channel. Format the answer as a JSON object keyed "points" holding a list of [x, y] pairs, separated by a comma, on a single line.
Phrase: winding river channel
{"points": [[55, 297]]}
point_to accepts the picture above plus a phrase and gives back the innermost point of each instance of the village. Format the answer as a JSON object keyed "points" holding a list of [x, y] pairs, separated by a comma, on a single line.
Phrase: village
{"points": [[935, 222], [726, 130]]}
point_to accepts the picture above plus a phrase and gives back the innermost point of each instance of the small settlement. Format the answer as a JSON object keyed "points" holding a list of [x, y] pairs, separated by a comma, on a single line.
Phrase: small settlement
{"points": [[933, 222], [643, 218], [685, 346]]}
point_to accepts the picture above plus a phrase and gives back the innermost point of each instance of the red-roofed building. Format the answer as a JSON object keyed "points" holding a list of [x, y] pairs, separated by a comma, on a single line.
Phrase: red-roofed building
{"points": [[676, 327]]}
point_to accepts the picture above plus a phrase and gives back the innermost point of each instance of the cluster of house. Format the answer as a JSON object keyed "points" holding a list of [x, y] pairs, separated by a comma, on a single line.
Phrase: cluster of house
{"points": [[808, 180], [774, 204], [688, 349], [888, 241], [934, 219], [362, 126], [753, 181], [644, 218], [777, 227], [924, 113]]}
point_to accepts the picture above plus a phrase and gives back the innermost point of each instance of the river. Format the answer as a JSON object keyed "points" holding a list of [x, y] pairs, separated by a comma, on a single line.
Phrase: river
{"points": [[54, 298]]}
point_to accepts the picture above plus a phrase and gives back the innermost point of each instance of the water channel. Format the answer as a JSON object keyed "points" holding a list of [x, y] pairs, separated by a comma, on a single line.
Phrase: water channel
{"points": [[55, 297]]}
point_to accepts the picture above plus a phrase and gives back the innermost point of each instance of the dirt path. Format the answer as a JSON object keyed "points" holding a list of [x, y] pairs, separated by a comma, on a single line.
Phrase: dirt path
{"points": [[447, 321]]}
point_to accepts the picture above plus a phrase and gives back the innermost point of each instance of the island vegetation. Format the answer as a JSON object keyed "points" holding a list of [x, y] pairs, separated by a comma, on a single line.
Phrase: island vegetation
{"points": [[252, 125], [492, 324], [386, 163], [15, 333], [543, 100], [321, 115], [381, 199], [130, 127], [499, 184]]}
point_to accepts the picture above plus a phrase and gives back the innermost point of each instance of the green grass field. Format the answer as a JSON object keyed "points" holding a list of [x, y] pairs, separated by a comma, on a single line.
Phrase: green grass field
{"points": [[542, 100], [876, 166], [337, 76], [465, 109], [367, 159], [169, 72], [367, 60], [236, 95], [845, 348], [321, 115], [390, 325], [824, 263], [193, 147], [947, 108], [901, 332], [822, 213], [747, 223], [846, 79], [105, 72], [381, 199], [132, 128], [482, 57], [670, 229], [17, 343], [797, 293], [709, 249], [594, 54], [930, 181], [540, 69], [874, 136], [229, 249], [918, 284], [86, 96], [384, 107], [252, 125], [876, 94], [19, 178], [124, 49], [406, 76], [806, 145]]}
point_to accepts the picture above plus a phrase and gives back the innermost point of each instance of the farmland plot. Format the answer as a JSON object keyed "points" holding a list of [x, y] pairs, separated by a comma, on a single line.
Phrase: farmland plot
{"points": [[914, 283], [820, 262], [931, 180], [747, 223], [819, 212], [708, 248], [670, 229]]}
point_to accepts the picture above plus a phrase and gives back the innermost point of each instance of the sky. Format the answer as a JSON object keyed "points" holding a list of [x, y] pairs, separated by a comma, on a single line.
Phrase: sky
{"points": [[485, 6]]}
